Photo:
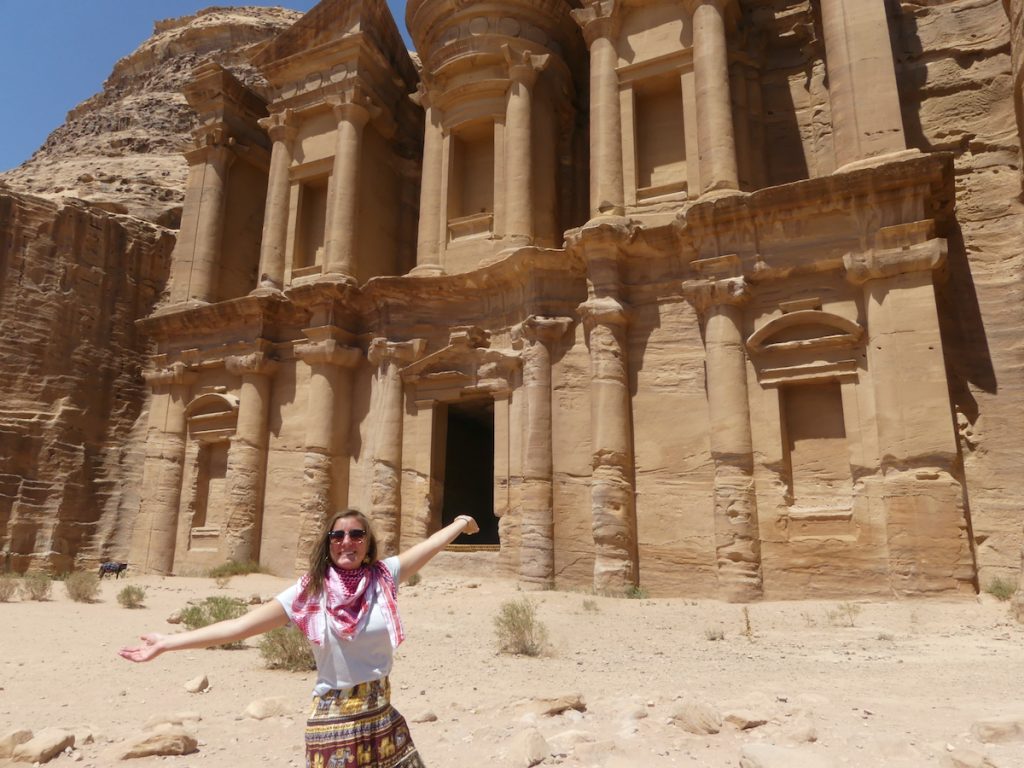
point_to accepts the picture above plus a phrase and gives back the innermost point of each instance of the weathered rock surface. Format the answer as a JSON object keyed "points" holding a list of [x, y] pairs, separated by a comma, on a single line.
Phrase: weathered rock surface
{"points": [[122, 148], [272, 706], [170, 740], [43, 746], [11, 739]]}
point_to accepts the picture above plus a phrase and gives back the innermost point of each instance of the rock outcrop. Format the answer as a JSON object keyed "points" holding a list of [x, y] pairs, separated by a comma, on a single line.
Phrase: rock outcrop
{"points": [[121, 149]]}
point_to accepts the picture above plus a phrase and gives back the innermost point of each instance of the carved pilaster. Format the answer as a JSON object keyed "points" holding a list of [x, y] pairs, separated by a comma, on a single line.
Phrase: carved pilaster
{"points": [[386, 472], [325, 465], [523, 67], [537, 540], [155, 532], [280, 126], [737, 540], [715, 133], [247, 455], [599, 22], [430, 234]]}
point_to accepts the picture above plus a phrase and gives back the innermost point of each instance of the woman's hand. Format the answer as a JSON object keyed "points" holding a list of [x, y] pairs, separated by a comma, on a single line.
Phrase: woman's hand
{"points": [[471, 526], [151, 648]]}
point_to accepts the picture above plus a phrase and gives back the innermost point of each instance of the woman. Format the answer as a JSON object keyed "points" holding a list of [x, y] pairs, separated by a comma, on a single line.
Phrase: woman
{"points": [[345, 604]]}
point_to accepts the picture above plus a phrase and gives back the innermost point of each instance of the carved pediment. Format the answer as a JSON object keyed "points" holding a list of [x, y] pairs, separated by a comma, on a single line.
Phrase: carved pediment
{"points": [[805, 329], [466, 365]]}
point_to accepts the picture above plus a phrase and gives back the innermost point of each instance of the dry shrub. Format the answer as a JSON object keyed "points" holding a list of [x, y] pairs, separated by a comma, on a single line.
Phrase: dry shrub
{"points": [[8, 587], [132, 596], [212, 610], [518, 629], [234, 568], [1001, 588], [36, 585], [82, 586], [287, 648]]}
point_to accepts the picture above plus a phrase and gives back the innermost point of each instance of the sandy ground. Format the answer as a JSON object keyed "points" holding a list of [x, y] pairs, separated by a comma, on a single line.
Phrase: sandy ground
{"points": [[901, 687]]}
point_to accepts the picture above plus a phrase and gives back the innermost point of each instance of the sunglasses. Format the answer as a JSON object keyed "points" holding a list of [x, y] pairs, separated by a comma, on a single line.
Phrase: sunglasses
{"points": [[356, 534]]}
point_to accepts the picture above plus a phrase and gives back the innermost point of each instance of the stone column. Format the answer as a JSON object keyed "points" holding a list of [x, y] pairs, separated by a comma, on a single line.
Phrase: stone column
{"points": [[352, 115], [155, 532], [386, 471], [865, 102], [918, 483], [247, 456], [537, 528], [716, 144], [431, 225], [523, 68], [275, 218], [737, 539], [211, 164], [599, 21], [330, 364]]}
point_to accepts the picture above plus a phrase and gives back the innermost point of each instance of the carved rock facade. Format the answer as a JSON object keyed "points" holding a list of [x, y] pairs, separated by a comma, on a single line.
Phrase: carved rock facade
{"points": [[707, 297]]}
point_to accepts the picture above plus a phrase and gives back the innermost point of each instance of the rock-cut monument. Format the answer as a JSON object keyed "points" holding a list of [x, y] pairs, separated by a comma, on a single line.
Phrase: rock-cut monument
{"points": [[706, 297]]}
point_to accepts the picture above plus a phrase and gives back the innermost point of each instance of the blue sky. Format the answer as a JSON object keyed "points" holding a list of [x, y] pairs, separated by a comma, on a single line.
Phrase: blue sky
{"points": [[57, 53]]}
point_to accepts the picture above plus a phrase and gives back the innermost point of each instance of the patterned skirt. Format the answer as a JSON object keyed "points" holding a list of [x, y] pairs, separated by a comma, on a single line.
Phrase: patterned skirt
{"points": [[358, 728]]}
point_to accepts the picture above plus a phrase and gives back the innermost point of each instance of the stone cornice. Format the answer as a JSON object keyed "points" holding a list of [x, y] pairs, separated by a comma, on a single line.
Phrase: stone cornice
{"points": [[252, 313]]}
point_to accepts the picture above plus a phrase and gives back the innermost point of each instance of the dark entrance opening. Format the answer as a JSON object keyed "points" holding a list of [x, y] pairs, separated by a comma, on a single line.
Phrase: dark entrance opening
{"points": [[469, 469]]}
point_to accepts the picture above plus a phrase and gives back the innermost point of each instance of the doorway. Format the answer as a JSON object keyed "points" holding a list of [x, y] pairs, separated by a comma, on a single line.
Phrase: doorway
{"points": [[469, 468]]}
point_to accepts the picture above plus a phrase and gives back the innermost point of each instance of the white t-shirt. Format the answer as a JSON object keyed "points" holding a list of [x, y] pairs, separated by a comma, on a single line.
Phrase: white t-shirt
{"points": [[345, 663]]}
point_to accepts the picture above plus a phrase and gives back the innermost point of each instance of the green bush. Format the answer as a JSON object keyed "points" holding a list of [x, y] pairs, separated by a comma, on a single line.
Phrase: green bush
{"points": [[636, 592], [36, 585], [131, 596], [233, 568], [518, 629], [8, 587], [1001, 588], [287, 648], [212, 610], [82, 586]]}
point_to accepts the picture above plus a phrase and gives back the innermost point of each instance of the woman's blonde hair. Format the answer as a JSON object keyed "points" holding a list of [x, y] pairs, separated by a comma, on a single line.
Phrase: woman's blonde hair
{"points": [[320, 557]]}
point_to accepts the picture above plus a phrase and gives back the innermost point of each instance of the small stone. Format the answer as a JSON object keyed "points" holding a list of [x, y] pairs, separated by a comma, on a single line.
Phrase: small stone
{"points": [[199, 684], [43, 746]]}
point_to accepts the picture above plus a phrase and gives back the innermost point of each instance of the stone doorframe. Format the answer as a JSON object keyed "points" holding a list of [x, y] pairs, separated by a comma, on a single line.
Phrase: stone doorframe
{"points": [[465, 369]]}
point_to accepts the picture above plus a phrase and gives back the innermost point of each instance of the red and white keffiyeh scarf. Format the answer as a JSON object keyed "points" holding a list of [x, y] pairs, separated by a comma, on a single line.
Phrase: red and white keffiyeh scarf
{"points": [[346, 603]]}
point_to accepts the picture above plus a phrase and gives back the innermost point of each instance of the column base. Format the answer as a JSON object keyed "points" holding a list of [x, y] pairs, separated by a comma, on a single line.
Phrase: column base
{"points": [[426, 270], [718, 193], [340, 278]]}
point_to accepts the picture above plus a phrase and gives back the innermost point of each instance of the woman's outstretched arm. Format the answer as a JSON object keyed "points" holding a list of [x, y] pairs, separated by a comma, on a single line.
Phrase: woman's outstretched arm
{"points": [[268, 616], [418, 555]]}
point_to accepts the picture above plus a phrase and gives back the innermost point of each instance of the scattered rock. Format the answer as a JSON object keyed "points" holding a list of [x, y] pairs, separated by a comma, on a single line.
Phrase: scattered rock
{"points": [[199, 684], [529, 748], [697, 717], [172, 740], [555, 706], [964, 757], [800, 728], [11, 739], [744, 720], [566, 741], [272, 706], [175, 617], [999, 731], [255, 599], [43, 746], [425, 717]]}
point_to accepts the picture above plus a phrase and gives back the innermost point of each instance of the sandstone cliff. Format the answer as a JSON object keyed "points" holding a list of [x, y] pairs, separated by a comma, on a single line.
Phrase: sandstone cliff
{"points": [[75, 275], [121, 149]]}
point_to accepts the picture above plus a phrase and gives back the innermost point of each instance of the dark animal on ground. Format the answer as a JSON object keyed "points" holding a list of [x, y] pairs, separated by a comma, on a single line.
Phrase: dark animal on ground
{"points": [[115, 568]]}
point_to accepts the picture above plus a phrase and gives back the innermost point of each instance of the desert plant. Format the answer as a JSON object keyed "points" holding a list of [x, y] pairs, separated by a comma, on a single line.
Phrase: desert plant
{"points": [[714, 633], [636, 592], [131, 596], [222, 581], [82, 586], [1000, 588], [36, 585], [885, 636], [233, 568], [287, 648], [590, 605], [8, 587], [845, 614], [518, 629], [212, 610], [413, 580], [748, 628]]}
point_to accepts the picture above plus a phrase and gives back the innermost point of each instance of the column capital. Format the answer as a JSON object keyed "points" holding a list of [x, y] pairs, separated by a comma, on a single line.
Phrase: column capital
{"points": [[280, 126], [542, 328], [174, 374], [523, 66], [254, 363], [382, 351], [425, 95], [328, 352], [729, 291], [217, 154], [597, 19], [354, 107], [876, 263], [603, 310]]}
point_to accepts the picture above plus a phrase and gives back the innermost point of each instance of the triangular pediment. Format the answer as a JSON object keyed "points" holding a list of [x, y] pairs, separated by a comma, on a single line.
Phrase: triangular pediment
{"points": [[323, 34]]}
